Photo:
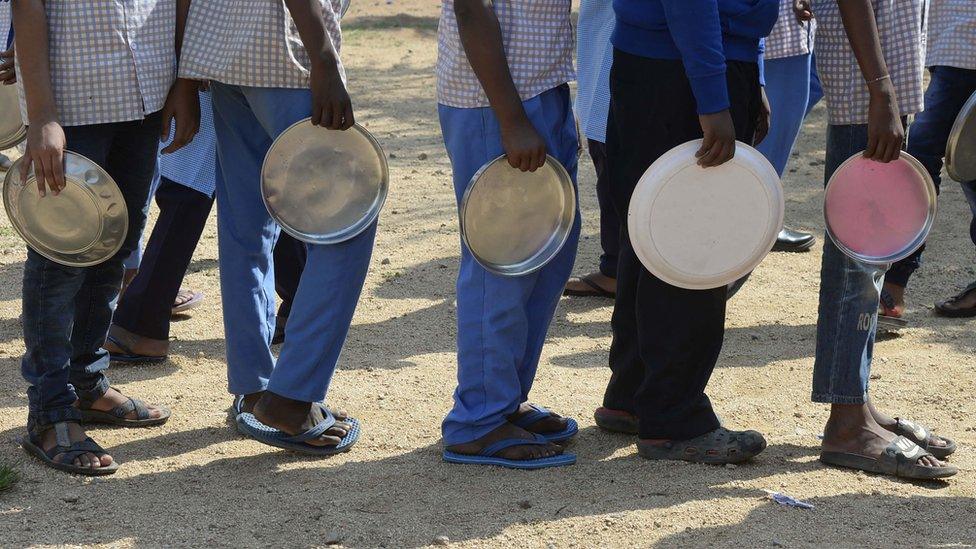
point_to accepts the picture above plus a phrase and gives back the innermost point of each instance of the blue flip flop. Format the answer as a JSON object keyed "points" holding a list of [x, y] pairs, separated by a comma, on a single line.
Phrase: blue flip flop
{"points": [[250, 426], [487, 456], [538, 414]]}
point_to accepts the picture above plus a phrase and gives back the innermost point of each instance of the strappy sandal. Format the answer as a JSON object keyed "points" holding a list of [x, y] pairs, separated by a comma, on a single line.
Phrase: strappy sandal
{"points": [[249, 425], [941, 308], [68, 450], [887, 318], [899, 459], [593, 289], [922, 436], [186, 300], [116, 416], [538, 414], [715, 447], [129, 356], [489, 455]]}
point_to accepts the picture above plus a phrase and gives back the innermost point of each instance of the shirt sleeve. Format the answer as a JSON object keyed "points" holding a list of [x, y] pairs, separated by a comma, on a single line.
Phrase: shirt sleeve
{"points": [[697, 31]]}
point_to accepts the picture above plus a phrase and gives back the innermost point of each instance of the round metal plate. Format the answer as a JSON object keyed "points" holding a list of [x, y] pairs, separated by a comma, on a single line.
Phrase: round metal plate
{"points": [[343, 7], [12, 130], [84, 225], [701, 228], [324, 186], [879, 213], [515, 222], [960, 153]]}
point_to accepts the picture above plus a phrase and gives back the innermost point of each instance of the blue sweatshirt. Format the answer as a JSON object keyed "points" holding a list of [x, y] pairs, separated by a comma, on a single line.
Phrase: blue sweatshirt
{"points": [[700, 33]]}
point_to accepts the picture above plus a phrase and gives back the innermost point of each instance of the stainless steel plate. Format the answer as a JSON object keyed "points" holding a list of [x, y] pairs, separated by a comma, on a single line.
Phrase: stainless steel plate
{"points": [[343, 7], [515, 222], [84, 225], [961, 148], [12, 130], [324, 186]]}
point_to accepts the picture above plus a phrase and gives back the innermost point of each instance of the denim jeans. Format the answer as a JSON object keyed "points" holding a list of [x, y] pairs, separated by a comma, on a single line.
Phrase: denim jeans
{"points": [[67, 310], [849, 292], [948, 91]]}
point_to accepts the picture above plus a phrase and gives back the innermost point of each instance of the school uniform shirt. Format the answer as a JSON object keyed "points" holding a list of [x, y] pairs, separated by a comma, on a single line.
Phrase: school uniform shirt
{"points": [[250, 43], [952, 34], [110, 60], [5, 25], [902, 33], [789, 37], [195, 165], [538, 40], [594, 57]]}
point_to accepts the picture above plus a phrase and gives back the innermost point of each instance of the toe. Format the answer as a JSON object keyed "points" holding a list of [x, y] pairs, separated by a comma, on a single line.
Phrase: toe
{"points": [[106, 460]]}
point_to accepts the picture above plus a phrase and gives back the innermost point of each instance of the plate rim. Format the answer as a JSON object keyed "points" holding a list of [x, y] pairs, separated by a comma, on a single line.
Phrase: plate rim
{"points": [[967, 111]]}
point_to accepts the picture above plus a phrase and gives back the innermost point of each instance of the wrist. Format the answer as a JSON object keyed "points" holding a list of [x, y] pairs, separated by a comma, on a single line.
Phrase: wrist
{"points": [[324, 61]]}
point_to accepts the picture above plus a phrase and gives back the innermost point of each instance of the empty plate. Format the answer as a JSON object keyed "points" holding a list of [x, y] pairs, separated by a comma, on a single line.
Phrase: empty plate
{"points": [[84, 225], [324, 186], [701, 228], [879, 213], [960, 156], [12, 130], [515, 222]]}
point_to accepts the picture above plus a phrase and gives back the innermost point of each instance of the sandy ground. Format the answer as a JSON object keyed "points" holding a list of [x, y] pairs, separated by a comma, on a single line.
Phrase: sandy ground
{"points": [[195, 481]]}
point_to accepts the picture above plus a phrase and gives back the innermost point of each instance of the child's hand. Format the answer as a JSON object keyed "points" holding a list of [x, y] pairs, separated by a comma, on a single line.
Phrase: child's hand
{"points": [[331, 105], [802, 10], [718, 144], [524, 146], [45, 150], [8, 75], [886, 135], [182, 105]]}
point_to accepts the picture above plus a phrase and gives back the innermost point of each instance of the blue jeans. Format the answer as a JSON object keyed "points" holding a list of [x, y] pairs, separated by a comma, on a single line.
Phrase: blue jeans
{"points": [[793, 89], [502, 321], [849, 292], [947, 92], [67, 310], [247, 120]]}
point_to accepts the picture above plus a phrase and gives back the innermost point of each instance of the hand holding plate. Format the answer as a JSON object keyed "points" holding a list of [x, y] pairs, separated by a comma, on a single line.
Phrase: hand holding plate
{"points": [[45, 151], [718, 144], [331, 105], [8, 74], [524, 146]]}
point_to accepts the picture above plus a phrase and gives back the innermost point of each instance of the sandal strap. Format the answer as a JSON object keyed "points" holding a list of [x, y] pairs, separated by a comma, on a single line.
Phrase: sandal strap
{"points": [[74, 450], [913, 431], [495, 447], [537, 414], [316, 431], [887, 300], [900, 455]]}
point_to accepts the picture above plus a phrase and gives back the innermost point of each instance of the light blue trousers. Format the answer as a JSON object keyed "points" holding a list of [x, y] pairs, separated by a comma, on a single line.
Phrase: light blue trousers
{"points": [[247, 120], [502, 321], [793, 89]]}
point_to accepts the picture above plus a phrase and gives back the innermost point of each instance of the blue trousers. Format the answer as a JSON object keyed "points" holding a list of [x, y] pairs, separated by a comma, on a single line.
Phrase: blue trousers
{"points": [[502, 321], [793, 89], [67, 310], [948, 90], [246, 121]]}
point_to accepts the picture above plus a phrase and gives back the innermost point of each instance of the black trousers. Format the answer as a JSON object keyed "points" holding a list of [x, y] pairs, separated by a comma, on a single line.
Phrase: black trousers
{"points": [[609, 221], [666, 339], [145, 307]]}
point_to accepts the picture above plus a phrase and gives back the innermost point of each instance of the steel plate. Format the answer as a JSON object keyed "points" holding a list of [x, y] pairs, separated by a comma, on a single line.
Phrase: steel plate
{"points": [[515, 222], [960, 153], [343, 7], [12, 130], [324, 186], [879, 213], [84, 225]]}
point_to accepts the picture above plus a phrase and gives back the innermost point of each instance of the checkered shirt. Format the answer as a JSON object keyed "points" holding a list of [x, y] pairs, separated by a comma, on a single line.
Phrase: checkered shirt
{"points": [[111, 60], [952, 34], [538, 40], [4, 23], [250, 43], [789, 37], [900, 26]]}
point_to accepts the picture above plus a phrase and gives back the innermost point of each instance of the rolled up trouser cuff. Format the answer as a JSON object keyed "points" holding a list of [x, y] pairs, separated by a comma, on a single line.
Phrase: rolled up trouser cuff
{"points": [[828, 398]]}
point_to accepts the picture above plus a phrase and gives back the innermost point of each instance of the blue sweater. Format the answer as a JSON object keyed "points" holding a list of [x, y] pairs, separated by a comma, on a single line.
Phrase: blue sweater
{"points": [[700, 33]]}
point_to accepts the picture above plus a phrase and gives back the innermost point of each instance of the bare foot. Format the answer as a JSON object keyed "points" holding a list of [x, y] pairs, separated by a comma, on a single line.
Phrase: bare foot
{"points": [[295, 417], [506, 431], [135, 343], [552, 424], [113, 399], [897, 307], [852, 429], [578, 286], [75, 434]]}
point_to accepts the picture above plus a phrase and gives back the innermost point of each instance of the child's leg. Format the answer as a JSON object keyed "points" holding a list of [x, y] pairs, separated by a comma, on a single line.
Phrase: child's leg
{"points": [[787, 89]]}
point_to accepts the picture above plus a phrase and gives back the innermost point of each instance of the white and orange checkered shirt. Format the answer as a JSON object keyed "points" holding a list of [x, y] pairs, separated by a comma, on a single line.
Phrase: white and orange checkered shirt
{"points": [[250, 43], [538, 39], [952, 34], [901, 29], [789, 37], [111, 60]]}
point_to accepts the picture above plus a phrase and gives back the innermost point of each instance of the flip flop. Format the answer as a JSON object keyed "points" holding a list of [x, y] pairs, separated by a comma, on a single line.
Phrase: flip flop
{"points": [[899, 459], [886, 320], [196, 299], [250, 426], [920, 435], [595, 290], [714, 447], [617, 421], [488, 455], [538, 414], [116, 416], [69, 450], [128, 356], [942, 310]]}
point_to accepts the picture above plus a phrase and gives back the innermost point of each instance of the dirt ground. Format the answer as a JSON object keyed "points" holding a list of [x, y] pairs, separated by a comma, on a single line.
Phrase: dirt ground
{"points": [[195, 481]]}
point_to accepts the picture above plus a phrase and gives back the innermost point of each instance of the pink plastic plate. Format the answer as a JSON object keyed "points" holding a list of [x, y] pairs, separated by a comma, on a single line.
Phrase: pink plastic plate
{"points": [[879, 213]]}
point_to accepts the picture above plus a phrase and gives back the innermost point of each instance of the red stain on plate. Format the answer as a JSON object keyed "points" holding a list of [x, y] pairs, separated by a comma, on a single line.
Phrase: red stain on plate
{"points": [[876, 209]]}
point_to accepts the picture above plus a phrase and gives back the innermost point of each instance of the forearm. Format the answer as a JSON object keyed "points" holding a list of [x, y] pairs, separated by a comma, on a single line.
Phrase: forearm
{"points": [[862, 33], [30, 32], [307, 15], [182, 11], [481, 37]]}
